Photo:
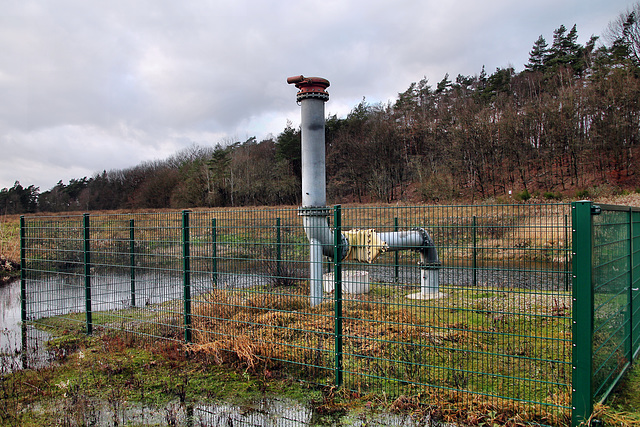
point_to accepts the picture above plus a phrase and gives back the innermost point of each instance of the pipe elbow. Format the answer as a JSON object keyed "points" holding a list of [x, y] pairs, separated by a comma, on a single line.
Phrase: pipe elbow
{"points": [[428, 252], [316, 226], [294, 80], [310, 87]]}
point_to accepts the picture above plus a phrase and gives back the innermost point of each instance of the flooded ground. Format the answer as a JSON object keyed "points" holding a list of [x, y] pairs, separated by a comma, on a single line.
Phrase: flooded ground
{"points": [[10, 317], [62, 294], [268, 412]]}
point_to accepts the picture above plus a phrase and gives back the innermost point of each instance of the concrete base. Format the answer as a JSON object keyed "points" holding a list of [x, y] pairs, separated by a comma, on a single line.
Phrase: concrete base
{"points": [[426, 295], [353, 282]]}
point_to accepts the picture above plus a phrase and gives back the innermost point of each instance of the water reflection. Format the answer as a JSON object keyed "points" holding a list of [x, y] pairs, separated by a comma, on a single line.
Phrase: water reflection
{"points": [[266, 412], [10, 337]]}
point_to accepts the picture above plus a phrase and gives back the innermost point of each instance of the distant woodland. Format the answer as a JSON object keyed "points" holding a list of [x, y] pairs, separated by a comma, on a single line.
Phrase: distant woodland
{"points": [[567, 125]]}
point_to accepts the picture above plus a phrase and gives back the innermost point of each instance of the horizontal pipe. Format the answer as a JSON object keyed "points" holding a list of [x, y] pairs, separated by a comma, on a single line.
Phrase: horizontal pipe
{"points": [[414, 240], [316, 227]]}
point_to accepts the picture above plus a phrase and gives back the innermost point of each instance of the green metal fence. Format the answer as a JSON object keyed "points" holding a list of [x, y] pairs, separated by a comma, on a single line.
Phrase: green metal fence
{"points": [[606, 301], [506, 331]]}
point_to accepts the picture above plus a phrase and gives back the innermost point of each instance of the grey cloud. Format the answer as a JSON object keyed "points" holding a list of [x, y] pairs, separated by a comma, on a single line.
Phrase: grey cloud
{"points": [[88, 86]]}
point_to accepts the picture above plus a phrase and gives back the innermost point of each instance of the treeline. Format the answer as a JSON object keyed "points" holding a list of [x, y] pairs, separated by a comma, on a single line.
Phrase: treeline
{"points": [[568, 122], [237, 174]]}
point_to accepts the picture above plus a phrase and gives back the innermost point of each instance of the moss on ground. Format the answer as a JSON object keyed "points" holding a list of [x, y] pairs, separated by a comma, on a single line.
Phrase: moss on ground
{"points": [[123, 372]]}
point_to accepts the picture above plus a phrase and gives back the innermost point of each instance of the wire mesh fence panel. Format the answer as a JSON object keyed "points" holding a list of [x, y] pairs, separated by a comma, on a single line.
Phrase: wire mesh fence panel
{"points": [[470, 303], [56, 291], [498, 325], [257, 309], [612, 297]]}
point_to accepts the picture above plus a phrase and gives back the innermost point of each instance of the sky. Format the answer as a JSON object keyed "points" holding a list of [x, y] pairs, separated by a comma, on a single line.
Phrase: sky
{"points": [[87, 86]]}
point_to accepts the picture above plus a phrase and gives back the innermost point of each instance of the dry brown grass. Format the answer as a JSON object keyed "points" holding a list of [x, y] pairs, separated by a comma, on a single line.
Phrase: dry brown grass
{"points": [[277, 319], [632, 199], [10, 237], [615, 418], [456, 408], [539, 231], [254, 331]]}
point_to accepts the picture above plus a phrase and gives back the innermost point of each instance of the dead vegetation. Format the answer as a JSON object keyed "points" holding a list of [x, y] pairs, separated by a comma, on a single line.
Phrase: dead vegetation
{"points": [[391, 349]]}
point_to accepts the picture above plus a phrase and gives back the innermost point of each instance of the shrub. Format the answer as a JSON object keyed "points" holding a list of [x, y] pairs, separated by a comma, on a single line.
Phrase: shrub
{"points": [[549, 195], [582, 194], [523, 196]]}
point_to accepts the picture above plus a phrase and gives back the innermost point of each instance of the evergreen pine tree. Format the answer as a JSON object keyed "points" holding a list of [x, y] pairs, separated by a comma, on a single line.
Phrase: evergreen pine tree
{"points": [[565, 51], [538, 55]]}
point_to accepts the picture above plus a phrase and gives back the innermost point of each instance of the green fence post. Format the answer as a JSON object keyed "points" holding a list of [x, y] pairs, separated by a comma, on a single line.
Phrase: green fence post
{"points": [[635, 291], [582, 330], [87, 273], [628, 346], [337, 291], [23, 272], [214, 251], [23, 292], [186, 269], [396, 254], [566, 253], [474, 260], [132, 260], [278, 251]]}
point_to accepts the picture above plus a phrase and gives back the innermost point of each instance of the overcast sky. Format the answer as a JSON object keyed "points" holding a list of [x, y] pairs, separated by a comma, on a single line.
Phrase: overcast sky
{"points": [[93, 85]]}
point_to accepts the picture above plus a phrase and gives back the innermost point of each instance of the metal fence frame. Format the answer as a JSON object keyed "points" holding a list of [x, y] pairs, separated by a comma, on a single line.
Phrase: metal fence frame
{"points": [[606, 301], [504, 305]]}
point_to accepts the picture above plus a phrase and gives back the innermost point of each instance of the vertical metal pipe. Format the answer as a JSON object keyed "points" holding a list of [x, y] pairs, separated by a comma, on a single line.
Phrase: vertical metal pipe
{"points": [[315, 272], [314, 184], [312, 96], [313, 153]]}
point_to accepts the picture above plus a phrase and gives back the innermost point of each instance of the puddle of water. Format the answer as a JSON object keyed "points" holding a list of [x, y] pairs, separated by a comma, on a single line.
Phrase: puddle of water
{"points": [[64, 294], [10, 338], [268, 412], [60, 294]]}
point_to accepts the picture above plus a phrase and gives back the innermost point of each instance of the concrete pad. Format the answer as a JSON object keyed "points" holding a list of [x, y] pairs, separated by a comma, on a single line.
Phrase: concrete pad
{"points": [[426, 295]]}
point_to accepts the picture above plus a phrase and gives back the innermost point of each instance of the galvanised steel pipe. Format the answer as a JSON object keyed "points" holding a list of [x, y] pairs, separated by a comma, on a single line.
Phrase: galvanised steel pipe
{"points": [[312, 96], [420, 241]]}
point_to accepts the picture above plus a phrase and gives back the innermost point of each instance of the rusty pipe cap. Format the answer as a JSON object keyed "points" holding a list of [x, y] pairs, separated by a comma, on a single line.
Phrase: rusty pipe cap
{"points": [[310, 87]]}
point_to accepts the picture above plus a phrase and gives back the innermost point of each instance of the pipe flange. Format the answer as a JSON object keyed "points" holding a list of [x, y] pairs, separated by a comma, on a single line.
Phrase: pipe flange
{"points": [[323, 96], [429, 265], [310, 87], [314, 211]]}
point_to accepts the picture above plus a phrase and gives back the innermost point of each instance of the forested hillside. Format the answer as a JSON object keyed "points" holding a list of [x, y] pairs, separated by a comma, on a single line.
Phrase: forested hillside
{"points": [[567, 124]]}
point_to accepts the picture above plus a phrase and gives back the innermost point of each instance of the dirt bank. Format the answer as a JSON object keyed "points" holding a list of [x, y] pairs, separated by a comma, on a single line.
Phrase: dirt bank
{"points": [[9, 270]]}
